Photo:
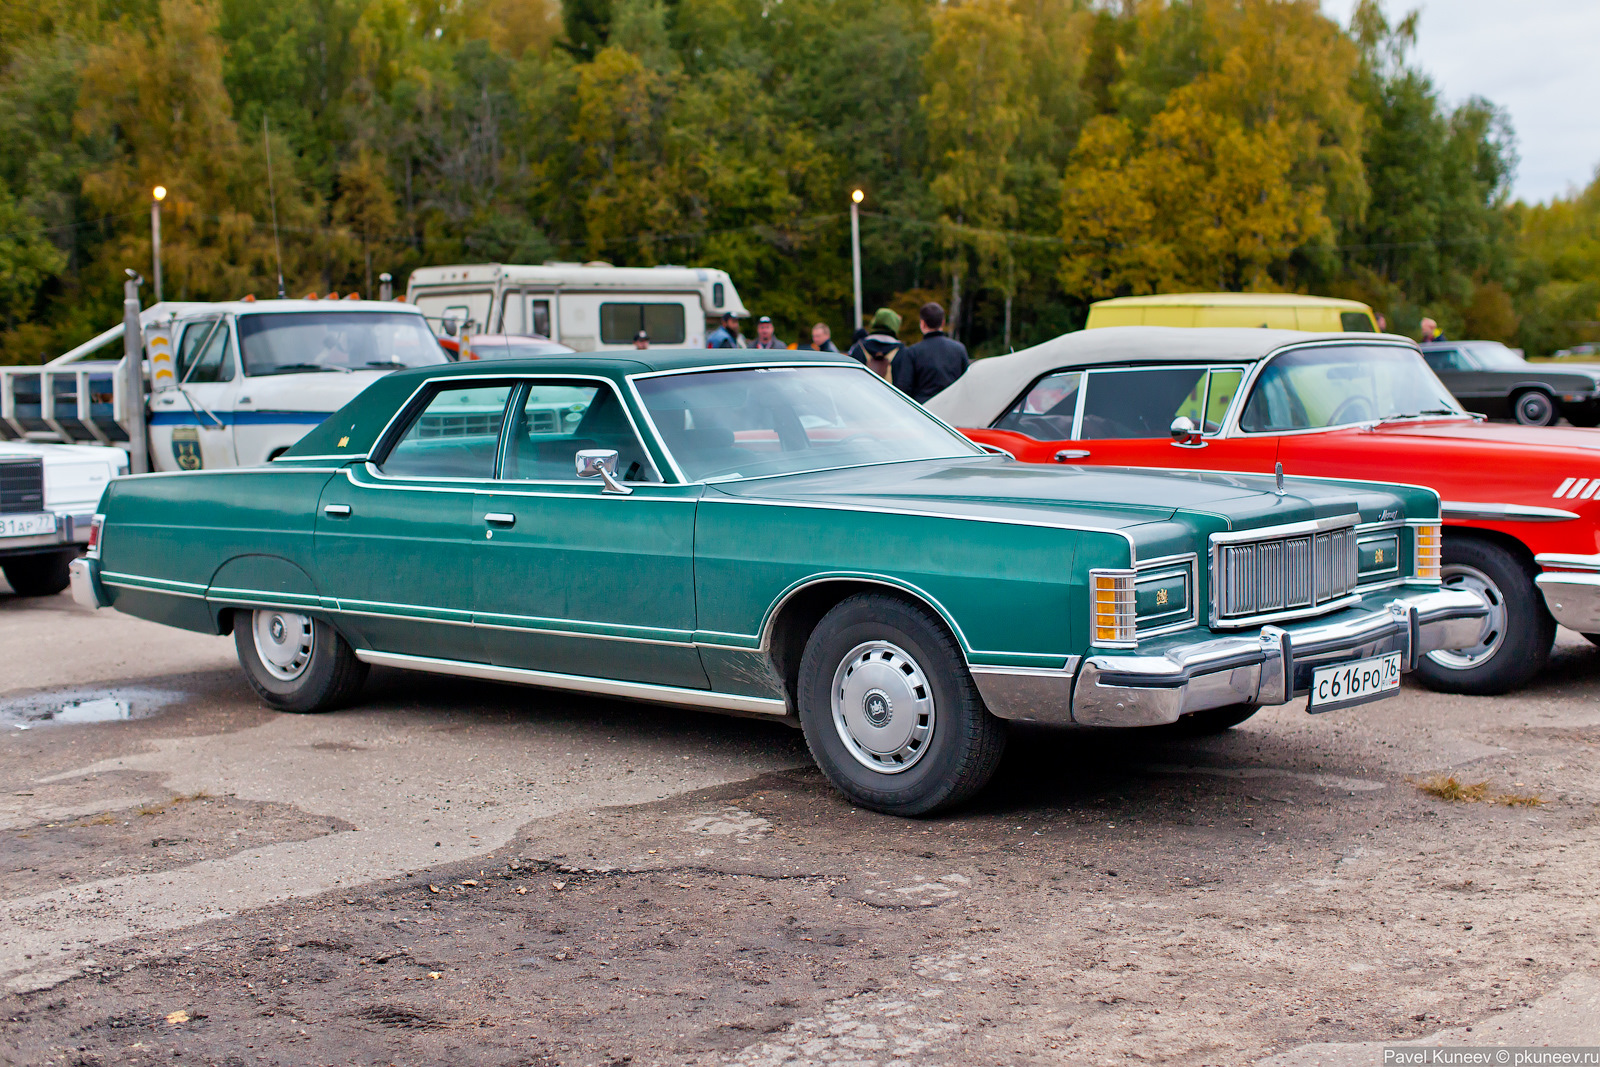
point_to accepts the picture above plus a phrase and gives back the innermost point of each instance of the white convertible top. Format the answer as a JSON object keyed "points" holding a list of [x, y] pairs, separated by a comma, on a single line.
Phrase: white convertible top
{"points": [[982, 394]]}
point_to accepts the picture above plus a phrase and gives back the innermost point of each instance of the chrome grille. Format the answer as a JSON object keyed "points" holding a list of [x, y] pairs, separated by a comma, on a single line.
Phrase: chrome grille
{"points": [[1284, 573], [21, 486]]}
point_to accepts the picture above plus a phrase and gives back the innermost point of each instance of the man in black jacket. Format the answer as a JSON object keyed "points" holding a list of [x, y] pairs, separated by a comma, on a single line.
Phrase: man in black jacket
{"points": [[927, 367]]}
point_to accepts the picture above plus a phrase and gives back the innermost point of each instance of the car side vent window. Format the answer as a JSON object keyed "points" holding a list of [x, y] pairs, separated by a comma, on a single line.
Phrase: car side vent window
{"points": [[455, 435]]}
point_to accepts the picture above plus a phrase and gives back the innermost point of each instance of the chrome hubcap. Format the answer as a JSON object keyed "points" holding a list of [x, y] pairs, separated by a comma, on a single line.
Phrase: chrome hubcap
{"points": [[283, 641], [1471, 579], [882, 707], [1533, 409]]}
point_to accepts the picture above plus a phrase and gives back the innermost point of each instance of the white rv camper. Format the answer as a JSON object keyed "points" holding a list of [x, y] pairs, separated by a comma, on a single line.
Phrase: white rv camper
{"points": [[591, 307]]}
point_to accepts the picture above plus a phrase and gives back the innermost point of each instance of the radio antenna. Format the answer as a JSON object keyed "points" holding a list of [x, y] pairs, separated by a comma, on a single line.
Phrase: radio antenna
{"points": [[272, 196]]}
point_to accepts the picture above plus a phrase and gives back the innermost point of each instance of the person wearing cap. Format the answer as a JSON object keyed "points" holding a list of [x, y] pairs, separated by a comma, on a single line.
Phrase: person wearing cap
{"points": [[764, 335], [726, 335], [641, 340], [878, 349]]}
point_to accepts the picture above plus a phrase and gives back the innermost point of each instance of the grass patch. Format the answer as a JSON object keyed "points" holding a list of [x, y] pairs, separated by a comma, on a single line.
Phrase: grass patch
{"points": [[1448, 787]]}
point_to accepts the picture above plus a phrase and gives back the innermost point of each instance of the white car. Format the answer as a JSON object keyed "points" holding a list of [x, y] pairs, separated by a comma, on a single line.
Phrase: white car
{"points": [[48, 495]]}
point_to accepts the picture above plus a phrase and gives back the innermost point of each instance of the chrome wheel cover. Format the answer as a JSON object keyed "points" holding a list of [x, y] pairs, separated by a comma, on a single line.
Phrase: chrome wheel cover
{"points": [[283, 642], [1535, 409], [1493, 635], [883, 707]]}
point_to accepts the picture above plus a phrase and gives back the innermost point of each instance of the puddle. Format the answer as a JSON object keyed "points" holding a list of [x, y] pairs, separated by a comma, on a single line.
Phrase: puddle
{"points": [[77, 707]]}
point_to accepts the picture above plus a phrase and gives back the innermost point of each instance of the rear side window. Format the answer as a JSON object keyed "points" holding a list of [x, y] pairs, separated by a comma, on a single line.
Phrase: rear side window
{"points": [[1356, 322], [456, 434], [1048, 411], [621, 323], [558, 419], [1123, 404]]}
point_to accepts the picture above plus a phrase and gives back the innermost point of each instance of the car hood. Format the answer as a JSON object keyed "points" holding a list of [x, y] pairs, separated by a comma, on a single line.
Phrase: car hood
{"points": [[1098, 497], [1558, 439], [307, 391]]}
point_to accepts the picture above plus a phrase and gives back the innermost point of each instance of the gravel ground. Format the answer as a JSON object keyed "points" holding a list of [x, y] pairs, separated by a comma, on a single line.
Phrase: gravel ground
{"points": [[462, 873]]}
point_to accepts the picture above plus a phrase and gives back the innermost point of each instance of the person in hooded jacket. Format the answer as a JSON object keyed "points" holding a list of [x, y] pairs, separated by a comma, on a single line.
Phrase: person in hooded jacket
{"points": [[882, 343]]}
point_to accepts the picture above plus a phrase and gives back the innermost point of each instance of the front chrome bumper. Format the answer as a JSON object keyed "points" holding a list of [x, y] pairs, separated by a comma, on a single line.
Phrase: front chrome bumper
{"points": [[1571, 588], [86, 589], [1170, 680]]}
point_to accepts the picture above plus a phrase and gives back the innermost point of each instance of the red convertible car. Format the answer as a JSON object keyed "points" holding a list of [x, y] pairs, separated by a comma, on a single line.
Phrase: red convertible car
{"points": [[1521, 504]]}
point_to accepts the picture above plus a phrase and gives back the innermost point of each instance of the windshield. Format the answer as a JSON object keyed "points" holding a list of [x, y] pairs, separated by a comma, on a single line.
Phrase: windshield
{"points": [[296, 342], [1312, 388], [1492, 355], [786, 420]]}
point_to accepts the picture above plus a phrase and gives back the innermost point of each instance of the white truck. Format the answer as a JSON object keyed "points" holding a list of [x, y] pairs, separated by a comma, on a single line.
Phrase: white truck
{"points": [[590, 307], [225, 384]]}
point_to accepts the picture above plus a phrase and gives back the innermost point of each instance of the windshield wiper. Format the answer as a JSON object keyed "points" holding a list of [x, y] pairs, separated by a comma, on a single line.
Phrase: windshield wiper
{"points": [[1419, 414], [386, 363], [286, 368]]}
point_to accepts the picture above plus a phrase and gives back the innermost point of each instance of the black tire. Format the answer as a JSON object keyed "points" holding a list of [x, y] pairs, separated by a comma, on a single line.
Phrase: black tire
{"points": [[1518, 636], [1588, 419], [42, 574], [1535, 407], [943, 766], [1213, 720], [328, 677]]}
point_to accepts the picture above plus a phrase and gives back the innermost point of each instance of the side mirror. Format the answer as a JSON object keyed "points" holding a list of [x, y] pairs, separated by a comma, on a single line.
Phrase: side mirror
{"points": [[451, 325], [1184, 434], [601, 463]]}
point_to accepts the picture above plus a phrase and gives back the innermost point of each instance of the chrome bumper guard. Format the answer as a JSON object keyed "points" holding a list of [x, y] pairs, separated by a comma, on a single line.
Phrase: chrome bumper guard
{"points": [[1269, 667], [86, 589], [1571, 588]]}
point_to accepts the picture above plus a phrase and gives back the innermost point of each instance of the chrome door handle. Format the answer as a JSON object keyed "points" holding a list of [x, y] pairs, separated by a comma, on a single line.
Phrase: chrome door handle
{"points": [[336, 510], [1071, 453], [500, 518]]}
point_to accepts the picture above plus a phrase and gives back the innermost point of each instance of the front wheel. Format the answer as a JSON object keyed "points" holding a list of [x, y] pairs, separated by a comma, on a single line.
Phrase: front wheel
{"points": [[890, 712], [1514, 644], [1534, 408], [295, 662], [42, 574]]}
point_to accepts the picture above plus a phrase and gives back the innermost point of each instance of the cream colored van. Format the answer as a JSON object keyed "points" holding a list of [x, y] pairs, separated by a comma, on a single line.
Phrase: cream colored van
{"points": [[1278, 311]]}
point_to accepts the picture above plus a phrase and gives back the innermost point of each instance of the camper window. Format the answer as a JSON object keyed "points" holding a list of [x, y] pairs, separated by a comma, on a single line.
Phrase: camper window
{"points": [[621, 323]]}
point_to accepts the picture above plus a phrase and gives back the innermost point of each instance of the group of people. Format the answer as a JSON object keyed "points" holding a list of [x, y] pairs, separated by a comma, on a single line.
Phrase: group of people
{"points": [[919, 370]]}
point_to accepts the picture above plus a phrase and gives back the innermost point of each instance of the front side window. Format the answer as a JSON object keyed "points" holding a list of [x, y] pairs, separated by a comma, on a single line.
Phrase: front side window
{"points": [[1314, 388], [784, 420], [206, 353], [455, 434], [1446, 359], [557, 419], [336, 341], [621, 323]]}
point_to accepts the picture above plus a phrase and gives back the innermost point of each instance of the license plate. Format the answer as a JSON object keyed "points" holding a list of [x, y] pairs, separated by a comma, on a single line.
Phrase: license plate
{"points": [[1355, 683], [28, 525]]}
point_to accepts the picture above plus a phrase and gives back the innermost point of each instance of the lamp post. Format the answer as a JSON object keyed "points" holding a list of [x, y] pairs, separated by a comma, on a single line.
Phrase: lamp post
{"points": [[856, 196], [158, 194]]}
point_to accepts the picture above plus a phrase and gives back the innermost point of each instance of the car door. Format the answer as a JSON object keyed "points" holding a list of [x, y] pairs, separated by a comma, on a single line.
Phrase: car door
{"points": [[396, 538], [571, 578], [1122, 416], [192, 425]]}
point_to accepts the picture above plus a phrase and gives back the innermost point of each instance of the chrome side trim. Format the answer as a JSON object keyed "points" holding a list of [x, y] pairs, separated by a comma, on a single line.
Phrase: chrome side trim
{"points": [[1573, 598], [1488, 512], [609, 687], [152, 585], [1028, 694], [1568, 561]]}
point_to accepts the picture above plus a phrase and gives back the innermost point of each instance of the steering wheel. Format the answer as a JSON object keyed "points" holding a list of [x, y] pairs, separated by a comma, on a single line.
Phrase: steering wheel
{"points": [[1354, 409], [862, 435]]}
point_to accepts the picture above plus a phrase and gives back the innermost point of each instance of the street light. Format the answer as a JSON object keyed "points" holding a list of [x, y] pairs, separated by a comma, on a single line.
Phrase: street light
{"points": [[158, 194], [856, 196]]}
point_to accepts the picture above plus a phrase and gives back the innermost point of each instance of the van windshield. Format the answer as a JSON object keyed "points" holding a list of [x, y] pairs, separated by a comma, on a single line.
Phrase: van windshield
{"points": [[338, 341]]}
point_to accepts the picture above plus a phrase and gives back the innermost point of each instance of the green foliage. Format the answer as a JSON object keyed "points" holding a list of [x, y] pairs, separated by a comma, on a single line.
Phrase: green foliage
{"points": [[1020, 158]]}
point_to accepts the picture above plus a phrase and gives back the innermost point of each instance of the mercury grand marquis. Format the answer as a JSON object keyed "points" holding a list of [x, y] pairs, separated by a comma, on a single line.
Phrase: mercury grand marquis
{"points": [[789, 538]]}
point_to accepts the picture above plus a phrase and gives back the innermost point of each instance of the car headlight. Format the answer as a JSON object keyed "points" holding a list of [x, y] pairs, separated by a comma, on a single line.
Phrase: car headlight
{"points": [[1429, 543], [1112, 608]]}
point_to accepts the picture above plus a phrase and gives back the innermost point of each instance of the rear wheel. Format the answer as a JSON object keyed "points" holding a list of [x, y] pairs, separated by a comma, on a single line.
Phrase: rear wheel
{"points": [[43, 574], [295, 662], [1534, 408], [890, 712], [1515, 642]]}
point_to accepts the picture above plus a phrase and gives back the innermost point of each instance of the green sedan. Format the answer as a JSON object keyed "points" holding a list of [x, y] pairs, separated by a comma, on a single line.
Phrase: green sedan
{"points": [[789, 538]]}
